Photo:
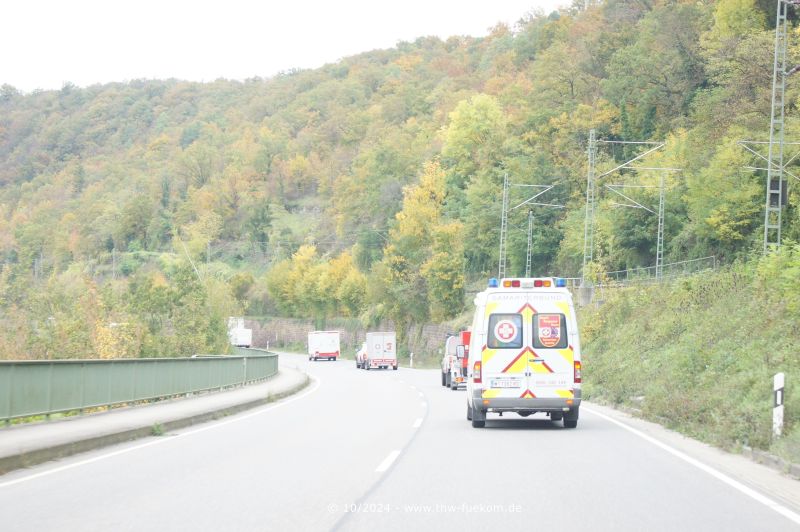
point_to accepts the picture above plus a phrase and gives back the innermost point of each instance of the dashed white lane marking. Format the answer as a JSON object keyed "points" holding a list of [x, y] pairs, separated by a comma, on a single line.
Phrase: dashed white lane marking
{"points": [[388, 461]]}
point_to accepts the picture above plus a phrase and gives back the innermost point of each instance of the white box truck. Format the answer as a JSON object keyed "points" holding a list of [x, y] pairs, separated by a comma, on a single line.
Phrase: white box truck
{"points": [[238, 334], [323, 345], [381, 350]]}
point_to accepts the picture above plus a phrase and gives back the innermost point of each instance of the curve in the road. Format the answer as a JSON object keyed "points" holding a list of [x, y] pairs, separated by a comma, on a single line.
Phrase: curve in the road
{"points": [[159, 441]]}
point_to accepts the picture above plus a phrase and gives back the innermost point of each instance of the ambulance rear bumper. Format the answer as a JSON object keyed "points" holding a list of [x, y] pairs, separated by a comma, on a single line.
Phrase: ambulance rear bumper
{"points": [[516, 404]]}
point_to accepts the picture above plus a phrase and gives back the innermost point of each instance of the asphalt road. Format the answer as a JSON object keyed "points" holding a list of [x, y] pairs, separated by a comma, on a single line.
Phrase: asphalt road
{"points": [[392, 450]]}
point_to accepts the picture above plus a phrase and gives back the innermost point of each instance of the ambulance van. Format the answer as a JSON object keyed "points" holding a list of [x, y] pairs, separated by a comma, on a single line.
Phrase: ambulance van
{"points": [[524, 355]]}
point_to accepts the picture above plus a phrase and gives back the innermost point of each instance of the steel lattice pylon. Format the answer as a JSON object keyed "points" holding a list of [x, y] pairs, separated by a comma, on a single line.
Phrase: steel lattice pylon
{"points": [[774, 201], [775, 163], [588, 227], [504, 220], [501, 267], [530, 244], [660, 237], [591, 197]]}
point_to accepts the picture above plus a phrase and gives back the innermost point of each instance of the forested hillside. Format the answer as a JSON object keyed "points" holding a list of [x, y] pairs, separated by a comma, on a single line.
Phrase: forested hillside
{"points": [[135, 217]]}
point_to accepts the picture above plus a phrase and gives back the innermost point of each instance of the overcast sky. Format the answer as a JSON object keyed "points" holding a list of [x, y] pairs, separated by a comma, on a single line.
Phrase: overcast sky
{"points": [[45, 43]]}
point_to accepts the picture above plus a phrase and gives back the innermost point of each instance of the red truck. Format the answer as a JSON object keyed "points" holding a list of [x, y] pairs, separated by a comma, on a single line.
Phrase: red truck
{"points": [[454, 362]]}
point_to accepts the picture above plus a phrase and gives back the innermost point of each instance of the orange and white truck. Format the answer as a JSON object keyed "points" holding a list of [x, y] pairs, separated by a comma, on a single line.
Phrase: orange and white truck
{"points": [[323, 345], [525, 352], [448, 358], [454, 361], [458, 371], [361, 355]]}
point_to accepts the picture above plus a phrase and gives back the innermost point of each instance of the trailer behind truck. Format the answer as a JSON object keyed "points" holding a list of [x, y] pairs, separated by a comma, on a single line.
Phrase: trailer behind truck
{"points": [[381, 350]]}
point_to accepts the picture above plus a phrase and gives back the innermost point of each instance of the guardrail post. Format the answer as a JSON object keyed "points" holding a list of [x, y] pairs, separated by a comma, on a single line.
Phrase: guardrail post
{"points": [[49, 392], [10, 397], [109, 385], [777, 404], [244, 370], [83, 387]]}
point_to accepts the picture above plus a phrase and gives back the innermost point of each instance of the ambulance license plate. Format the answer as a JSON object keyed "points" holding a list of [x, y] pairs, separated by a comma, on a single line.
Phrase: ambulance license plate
{"points": [[505, 383]]}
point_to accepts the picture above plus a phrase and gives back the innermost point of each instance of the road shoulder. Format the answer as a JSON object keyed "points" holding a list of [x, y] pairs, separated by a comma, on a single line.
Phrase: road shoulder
{"points": [[774, 484], [27, 445]]}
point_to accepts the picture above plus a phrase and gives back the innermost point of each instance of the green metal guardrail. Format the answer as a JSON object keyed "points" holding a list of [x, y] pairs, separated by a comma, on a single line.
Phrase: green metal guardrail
{"points": [[43, 387]]}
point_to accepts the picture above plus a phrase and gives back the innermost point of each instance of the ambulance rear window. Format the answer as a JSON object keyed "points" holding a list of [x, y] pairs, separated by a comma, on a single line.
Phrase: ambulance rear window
{"points": [[505, 331], [549, 331]]}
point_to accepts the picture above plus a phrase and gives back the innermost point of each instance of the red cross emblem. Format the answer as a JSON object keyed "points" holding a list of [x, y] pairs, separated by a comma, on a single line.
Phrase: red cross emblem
{"points": [[505, 331]]}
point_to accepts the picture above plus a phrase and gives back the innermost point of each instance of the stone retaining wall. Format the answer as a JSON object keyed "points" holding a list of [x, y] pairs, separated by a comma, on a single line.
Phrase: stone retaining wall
{"points": [[425, 341]]}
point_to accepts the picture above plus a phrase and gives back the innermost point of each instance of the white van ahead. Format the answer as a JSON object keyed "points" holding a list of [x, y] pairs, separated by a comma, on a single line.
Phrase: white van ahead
{"points": [[524, 355], [323, 345]]}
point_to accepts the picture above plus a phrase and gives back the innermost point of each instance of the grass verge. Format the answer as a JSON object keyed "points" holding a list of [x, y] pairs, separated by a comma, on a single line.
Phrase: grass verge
{"points": [[698, 355]]}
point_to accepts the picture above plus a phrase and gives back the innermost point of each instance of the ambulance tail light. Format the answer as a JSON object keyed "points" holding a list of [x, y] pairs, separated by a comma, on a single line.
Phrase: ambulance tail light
{"points": [[476, 372], [577, 372]]}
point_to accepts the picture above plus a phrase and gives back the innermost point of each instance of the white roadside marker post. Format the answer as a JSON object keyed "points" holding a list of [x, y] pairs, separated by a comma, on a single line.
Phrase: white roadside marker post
{"points": [[411, 360], [777, 404]]}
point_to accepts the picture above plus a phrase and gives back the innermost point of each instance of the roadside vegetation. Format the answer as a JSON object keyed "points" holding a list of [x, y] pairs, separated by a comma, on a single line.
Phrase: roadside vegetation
{"points": [[135, 217], [699, 354]]}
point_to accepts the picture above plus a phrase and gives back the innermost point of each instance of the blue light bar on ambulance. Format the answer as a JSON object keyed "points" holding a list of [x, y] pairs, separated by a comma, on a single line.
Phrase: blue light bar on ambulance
{"points": [[546, 282]]}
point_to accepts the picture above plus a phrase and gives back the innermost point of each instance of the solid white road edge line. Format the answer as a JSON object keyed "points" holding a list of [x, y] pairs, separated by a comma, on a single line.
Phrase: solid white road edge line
{"points": [[753, 494], [418, 423], [388, 461], [164, 440]]}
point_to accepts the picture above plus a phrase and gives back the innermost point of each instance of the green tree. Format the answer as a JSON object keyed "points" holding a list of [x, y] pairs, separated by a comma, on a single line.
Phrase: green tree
{"points": [[473, 139], [259, 224]]}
